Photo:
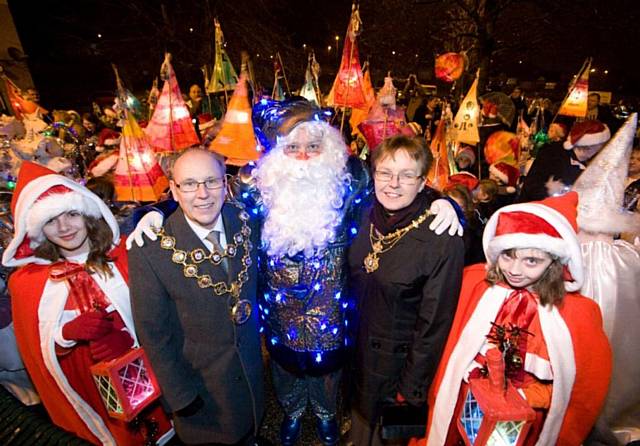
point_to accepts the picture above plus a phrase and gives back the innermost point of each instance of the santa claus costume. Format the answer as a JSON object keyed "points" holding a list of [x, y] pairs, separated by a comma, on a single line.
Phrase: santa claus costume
{"points": [[49, 296], [566, 358]]}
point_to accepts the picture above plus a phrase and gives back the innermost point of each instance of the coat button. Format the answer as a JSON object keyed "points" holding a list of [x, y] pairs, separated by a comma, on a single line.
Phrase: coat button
{"points": [[238, 378], [417, 394], [376, 345]]}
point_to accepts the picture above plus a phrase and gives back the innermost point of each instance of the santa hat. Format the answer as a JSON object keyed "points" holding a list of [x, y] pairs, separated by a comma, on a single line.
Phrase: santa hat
{"points": [[205, 121], [549, 225], [108, 137], [587, 133], [39, 196], [466, 152], [601, 186], [466, 179], [506, 173]]}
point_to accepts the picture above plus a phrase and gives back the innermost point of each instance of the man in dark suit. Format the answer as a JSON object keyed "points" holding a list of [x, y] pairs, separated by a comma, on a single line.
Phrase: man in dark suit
{"points": [[193, 297]]}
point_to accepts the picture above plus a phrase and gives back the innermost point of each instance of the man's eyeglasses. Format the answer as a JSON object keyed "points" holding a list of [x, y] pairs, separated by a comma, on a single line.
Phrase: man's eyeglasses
{"points": [[404, 178], [192, 185]]}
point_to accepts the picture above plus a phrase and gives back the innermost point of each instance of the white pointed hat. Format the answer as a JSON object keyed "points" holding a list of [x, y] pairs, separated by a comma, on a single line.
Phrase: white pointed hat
{"points": [[601, 186]]}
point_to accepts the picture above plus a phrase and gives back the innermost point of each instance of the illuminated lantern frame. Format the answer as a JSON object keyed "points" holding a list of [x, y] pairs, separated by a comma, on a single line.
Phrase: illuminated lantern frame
{"points": [[126, 384]]}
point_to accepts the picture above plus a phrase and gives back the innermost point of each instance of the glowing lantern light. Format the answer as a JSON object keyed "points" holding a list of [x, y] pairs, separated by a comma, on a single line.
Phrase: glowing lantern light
{"points": [[502, 146], [494, 413], [127, 384], [575, 103], [170, 128], [450, 66], [465, 123], [236, 139], [348, 87]]}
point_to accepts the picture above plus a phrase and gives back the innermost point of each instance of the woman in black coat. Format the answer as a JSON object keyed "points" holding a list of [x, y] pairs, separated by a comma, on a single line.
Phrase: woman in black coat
{"points": [[406, 280]]}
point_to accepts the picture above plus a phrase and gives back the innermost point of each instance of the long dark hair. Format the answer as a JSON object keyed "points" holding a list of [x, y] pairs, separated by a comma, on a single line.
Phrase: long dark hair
{"points": [[100, 241], [549, 287]]}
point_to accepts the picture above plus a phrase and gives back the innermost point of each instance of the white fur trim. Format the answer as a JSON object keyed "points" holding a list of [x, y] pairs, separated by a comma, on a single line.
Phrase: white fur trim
{"points": [[54, 297], [608, 220], [498, 173], [572, 252], [53, 205], [26, 200], [561, 357], [538, 366], [471, 340], [553, 245], [588, 139]]}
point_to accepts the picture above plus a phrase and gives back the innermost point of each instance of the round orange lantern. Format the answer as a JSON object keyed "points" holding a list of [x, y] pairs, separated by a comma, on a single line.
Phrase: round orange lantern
{"points": [[502, 146], [450, 66]]}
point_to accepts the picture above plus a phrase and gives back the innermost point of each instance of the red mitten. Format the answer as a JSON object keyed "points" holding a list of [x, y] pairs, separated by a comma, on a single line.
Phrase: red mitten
{"points": [[110, 346], [87, 326]]}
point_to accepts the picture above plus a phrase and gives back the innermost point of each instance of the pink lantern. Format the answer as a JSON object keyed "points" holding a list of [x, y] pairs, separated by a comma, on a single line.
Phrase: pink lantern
{"points": [[126, 384]]}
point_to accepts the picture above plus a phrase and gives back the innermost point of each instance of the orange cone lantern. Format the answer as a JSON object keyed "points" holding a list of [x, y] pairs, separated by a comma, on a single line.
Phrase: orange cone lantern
{"points": [[236, 140]]}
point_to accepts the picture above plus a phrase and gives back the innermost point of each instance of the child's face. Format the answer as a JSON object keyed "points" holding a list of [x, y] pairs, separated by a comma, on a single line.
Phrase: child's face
{"points": [[524, 267]]}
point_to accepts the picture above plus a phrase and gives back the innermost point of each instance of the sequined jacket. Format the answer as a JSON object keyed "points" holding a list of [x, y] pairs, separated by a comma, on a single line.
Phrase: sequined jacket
{"points": [[303, 301]]}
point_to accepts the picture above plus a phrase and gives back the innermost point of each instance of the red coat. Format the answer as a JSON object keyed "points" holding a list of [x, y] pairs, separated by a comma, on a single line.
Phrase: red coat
{"points": [[26, 286], [581, 380]]}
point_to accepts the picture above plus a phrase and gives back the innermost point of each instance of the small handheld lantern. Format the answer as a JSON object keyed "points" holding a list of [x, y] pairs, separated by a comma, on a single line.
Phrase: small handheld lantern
{"points": [[494, 413], [126, 384]]}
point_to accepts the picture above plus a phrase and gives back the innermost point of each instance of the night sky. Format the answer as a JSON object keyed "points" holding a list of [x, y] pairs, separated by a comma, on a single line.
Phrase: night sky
{"points": [[71, 63]]}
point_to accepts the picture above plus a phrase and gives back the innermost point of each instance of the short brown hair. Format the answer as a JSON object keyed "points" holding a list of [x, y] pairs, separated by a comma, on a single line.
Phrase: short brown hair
{"points": [[100, 242], [549, 287], [415, 147]]}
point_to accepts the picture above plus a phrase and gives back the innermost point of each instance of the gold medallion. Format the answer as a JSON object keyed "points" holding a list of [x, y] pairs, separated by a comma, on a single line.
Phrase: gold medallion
{"points": [[241, 311], [371, 262]]}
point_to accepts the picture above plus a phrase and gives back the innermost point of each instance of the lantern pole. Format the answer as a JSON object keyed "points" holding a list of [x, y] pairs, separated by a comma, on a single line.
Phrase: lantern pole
{"points": [[585, 65]]}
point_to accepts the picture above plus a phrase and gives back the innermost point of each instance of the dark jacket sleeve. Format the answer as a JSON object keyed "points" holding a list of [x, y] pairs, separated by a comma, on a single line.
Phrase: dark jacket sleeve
{"points": [[159, 331], [445, 258]]}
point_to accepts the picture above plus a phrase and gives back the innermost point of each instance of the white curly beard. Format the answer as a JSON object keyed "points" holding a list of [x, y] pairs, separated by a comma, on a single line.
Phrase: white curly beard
{"points": [[303, 198]]}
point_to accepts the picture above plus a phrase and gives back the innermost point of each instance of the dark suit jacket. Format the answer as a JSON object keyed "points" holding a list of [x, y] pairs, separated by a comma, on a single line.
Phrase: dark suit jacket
{"points": [[194, 347]]}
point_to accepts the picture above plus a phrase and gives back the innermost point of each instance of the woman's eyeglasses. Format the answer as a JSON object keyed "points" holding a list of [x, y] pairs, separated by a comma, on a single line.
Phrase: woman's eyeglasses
{"points": [[404, 178]]}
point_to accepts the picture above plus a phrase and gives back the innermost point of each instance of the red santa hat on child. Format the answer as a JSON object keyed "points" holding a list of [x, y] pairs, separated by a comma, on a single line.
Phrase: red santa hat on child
{"points": [[466, 179], [587, 133], [41, 195], [466, 152], [506, 173], [549, 225]]}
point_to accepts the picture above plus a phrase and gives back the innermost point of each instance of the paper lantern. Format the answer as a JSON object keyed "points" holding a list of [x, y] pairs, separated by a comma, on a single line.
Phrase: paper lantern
{"points": [[170, 128], [236, 140], [439, 173], [224, 77], [465, 124], [575, 103], [127, 384], [348, 87], [450, 66], [493, 412], [138, 176], [502, 146]]}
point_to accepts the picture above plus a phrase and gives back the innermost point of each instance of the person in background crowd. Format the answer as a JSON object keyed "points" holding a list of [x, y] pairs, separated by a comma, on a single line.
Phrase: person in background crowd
{"points": [[71, 305], [555, 169]]}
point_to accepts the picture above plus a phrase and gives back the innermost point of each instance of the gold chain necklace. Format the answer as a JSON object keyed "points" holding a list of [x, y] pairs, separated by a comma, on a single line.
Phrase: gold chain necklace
{"points": [[383, 243], [241, 309]]}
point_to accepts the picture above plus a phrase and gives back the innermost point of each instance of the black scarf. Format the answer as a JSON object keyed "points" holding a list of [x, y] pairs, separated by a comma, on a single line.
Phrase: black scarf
{"points": [[386, 222]]}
